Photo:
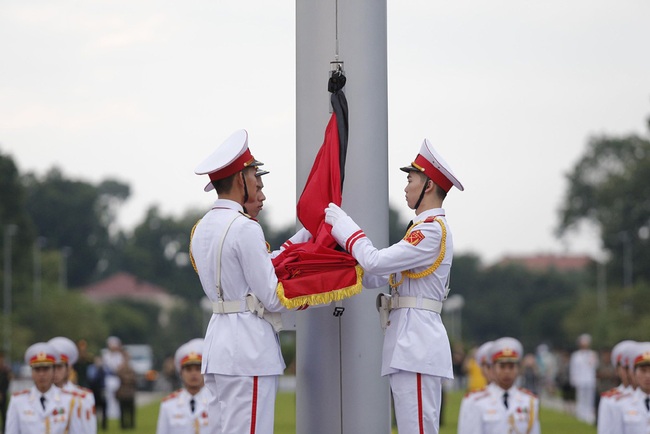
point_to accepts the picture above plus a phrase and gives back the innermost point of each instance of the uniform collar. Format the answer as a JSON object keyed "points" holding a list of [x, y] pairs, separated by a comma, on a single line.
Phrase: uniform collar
{"points": [[640, 393], [501, 391], [228, 204], [51, 394], [429, 213]]}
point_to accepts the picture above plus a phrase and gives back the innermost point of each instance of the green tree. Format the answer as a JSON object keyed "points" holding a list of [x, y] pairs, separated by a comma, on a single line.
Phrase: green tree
{"points": [[609, 187], [15, 223], [57, 314], [75, 217], [509, 300], [158, 251]]}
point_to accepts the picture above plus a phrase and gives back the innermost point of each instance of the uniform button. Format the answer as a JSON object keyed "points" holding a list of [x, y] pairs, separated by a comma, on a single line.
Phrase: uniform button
{"points": [[387, 323]]}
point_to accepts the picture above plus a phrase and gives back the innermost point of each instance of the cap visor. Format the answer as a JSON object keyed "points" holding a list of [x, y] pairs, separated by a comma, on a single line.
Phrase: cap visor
{"points": [[409, 169]]}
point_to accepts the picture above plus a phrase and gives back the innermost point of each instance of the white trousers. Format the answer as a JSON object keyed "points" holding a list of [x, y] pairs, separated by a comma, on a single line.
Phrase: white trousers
{"points": [[417, 399], [241, 405], [111, 384], [585, 403]]}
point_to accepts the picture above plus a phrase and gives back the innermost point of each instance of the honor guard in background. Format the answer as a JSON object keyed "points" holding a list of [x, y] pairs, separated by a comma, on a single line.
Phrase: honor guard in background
{"points": [[185, 411], [609, 398], [582, 374], [68, 355], [609, 409], [241, 356], [501, 408], [416, 352], [44, 408], [633, 415]]}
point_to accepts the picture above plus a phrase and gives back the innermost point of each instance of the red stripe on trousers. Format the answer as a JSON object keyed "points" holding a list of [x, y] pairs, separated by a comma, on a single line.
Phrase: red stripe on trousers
{"points": [[420, 422], [254, 406]]}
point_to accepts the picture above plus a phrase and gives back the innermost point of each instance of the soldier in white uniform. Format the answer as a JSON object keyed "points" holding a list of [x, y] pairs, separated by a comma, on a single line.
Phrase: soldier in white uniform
{"points": [[241, 356], [416, 353], [633, 415], [68, 355], [185, 411], [501, 408], [607, 405], [582, 374], [44, 408]]}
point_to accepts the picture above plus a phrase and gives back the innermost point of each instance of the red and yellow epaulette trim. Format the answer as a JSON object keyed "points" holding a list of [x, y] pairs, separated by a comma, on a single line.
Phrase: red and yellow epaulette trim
{"points": [[429, 219], [621, 395], [172, 395], [85, 389], [21, 392], [527, 392], [611, 392], [472, 392]]}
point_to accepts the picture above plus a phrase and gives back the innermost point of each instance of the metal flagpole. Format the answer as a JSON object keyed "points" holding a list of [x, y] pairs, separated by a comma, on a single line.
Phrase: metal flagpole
{"points": [[339, 387]]}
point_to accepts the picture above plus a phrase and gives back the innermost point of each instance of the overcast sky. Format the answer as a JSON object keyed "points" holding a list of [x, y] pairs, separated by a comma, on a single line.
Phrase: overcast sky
{"points": [[508, 91]]}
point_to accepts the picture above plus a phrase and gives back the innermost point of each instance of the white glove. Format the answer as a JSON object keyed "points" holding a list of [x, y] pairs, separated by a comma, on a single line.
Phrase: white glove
{"points": [[333, 214]]}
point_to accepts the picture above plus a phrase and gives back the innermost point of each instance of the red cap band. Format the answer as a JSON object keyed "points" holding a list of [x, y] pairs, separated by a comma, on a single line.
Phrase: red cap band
{"points": [[42, 358], [505, 354], [643, 358], [436, 175], [239, 164], [191, 357]]}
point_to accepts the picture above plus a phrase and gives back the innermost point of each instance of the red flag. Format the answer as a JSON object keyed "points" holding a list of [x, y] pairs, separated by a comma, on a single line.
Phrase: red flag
{"points": [[315, 272], [323, 186]]}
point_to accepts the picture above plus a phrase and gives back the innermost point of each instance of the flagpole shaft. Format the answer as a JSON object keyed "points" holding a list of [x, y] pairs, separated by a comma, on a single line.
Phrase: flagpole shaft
{"points": [[339, 387]]}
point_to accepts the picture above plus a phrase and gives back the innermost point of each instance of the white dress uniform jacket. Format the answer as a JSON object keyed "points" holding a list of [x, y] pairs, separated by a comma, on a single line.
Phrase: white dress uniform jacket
{"points": [[415, 339], [86, 407], [483, 412], [238, 343], [632, 416], [26, 415], [176, 416], [607, 408]]}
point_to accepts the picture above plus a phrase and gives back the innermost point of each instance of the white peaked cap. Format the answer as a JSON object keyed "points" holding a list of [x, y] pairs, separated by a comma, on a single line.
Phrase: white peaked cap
{"points": [[41, 354], [229, 158], [431, 163], [68, 352], [506, 350], [482, 355], [190, 353]]}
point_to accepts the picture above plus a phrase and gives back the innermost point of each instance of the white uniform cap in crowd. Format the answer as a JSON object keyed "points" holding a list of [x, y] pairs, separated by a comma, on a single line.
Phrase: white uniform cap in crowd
{"points": [[68, 352], [432, 165], [506, 350], [113, 341], [41, 354], [627, 354], [190, 353], [482, 355], [584, 339], [197, 343], [230, 157], [641, 354], [618, 352]]}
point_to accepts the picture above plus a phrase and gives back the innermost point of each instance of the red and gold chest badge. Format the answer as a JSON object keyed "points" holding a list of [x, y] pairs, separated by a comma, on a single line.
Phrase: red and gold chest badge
{"points": [[414, 237]]}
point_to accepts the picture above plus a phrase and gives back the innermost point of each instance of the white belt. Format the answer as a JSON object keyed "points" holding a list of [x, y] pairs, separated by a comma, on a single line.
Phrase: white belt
{"points": [[233, 306], [250, 304], [399, 302]]}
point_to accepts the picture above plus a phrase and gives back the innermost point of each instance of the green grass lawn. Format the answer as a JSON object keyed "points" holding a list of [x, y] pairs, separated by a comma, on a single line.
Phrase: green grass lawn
{"points": [[552, 422]]}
